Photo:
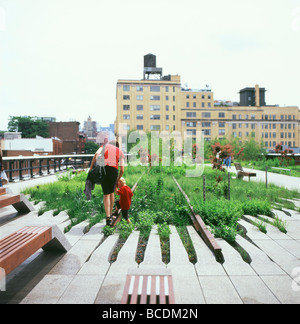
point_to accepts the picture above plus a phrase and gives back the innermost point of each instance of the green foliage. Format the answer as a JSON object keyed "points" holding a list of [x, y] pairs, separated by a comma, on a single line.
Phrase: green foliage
{"points": [[91, 147], [163, 231], [255, 207], [29, 126], [125, 229], [145, 222]]}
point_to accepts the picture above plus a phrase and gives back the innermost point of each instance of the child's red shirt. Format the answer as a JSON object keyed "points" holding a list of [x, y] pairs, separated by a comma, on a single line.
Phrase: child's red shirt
{"points": [[125, 194]]}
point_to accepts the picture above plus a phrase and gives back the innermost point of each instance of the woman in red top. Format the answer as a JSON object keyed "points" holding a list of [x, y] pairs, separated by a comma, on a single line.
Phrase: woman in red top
{"points": [[112, 156]]}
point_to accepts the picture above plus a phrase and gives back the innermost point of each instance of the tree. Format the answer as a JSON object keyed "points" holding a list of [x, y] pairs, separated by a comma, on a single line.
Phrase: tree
{"points": [[91, 147], [30, 127]]}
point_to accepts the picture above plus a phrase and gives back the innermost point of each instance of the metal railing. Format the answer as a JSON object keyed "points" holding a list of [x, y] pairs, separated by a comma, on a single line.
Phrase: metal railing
{"points": [[17, 168]]}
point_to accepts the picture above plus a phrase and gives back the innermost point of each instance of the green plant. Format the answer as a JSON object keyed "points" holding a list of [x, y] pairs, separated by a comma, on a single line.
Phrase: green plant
{"points": [[163, 231], [125, 229], [280, 224], [145, 222], [107, 230]]}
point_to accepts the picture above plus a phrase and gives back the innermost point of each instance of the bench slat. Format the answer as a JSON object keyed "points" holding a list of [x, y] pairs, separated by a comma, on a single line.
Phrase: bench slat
{"points": [[25, 242], [148, 289]]}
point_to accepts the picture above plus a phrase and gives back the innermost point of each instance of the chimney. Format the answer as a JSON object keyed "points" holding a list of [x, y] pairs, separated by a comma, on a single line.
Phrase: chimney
{"points": [[257, 100]]}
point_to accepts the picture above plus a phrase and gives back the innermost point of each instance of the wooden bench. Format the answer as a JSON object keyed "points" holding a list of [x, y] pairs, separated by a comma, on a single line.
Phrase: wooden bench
{"points": [[148, 289], [18, 201], [20, 245], [241, 173]]}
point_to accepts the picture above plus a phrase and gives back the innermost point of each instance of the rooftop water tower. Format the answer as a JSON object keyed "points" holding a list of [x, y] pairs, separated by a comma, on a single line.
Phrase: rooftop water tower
{"points": [[150, 69]]}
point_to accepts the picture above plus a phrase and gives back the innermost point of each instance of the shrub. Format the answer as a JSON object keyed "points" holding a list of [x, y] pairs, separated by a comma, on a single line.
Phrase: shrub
{"points": [[144, 223], [254, 207]]}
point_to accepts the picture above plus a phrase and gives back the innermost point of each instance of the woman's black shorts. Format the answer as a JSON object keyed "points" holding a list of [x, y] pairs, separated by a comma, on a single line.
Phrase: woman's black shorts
{"points": [[109, 183]]}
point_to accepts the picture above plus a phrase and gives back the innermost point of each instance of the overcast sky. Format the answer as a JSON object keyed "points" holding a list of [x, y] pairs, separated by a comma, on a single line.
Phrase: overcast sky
{"points": [[63, 57]]}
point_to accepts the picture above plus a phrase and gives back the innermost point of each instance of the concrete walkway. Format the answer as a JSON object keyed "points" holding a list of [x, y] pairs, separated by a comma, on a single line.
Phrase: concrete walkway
{"points": [[281, 180]]}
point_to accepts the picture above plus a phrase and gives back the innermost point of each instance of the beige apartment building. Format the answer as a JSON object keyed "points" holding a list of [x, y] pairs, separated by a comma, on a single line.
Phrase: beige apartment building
{"points": [[161, 103]]}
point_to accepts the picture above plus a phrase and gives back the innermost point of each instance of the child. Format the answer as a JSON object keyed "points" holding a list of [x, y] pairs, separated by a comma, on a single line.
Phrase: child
{"points": [[124, 202]]}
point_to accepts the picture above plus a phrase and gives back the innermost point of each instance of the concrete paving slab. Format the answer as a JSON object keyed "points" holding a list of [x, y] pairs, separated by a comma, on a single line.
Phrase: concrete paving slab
{"points": [[253, 290], [83, 289], [293, 230], [272, 231], [187, 289], [77, 231], [253, 231], [98, 263], [282, 215], [234, 265], [292, 246], [219, 290], [74, 259], [152, 255], [48, 290], [206, 264], [260, 262], [278, 254], [95, 232], [111, 291], [282, 288]]}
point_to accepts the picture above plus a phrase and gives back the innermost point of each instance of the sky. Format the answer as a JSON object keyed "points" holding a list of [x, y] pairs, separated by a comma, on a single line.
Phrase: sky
{"points": [[63, 58]]}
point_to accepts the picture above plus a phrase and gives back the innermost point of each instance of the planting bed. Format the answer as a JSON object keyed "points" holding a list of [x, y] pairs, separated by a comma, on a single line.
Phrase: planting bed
{"points": [[157, 200]]}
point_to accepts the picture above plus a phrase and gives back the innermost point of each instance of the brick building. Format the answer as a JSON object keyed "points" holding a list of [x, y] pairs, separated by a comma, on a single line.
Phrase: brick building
{"points": [[72, 140]]}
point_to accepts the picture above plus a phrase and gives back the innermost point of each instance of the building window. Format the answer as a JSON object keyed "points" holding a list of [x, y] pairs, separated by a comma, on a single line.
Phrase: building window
{"points": [[234, 117], [155, 107], [191, 131], [154, 97], [139, 97], [126, 97], [206, 131], [206, 124], [252, 126], [221, 115], [221, 132], [139, 107], [155, 127], [157, 117], [206, 115], [209, 105], [194, 104], [167, 117], [191, 124], [126, 117], [126, 107], [167, 88], [221, 124], [187, 104], [190, 114], [126, 87], [167, 107], [252, 117], [140, 117], [139, 88], [203, 104], [154, 88], [167, 98], [139, 127]]}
